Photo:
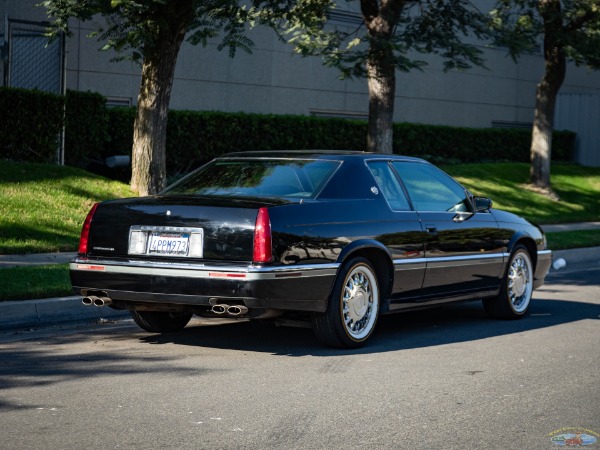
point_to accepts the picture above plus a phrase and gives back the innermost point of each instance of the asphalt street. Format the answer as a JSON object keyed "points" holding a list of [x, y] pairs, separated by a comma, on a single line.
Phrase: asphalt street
{"points": [[448, 378]]}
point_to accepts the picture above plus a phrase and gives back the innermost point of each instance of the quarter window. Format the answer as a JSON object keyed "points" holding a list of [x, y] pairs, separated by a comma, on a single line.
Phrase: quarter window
{"points": [[389, 185], [430, 189]]}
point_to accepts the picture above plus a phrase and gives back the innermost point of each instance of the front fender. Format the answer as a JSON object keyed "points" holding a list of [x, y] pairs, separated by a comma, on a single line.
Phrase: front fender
{"points": [[521, 237]]}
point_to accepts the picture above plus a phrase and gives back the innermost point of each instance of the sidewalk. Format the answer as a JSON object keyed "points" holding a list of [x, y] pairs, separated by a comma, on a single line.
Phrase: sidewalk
{"points": [[571, 227], [35, 259], [36, 313], [48, 311]]}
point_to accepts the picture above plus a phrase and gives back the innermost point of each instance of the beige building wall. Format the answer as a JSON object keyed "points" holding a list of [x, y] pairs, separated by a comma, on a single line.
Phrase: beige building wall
{"points": [[275, 80]]}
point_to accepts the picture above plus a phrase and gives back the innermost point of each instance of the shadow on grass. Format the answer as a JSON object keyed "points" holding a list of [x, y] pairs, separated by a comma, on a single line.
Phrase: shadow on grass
{"points": [[19, 239]]}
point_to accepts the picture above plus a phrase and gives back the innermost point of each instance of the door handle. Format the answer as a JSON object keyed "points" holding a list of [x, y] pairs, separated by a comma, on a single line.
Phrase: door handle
{"points": [[431, 229]]}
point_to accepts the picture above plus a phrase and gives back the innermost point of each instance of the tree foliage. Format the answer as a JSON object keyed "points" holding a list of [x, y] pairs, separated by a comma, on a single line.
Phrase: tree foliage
{"points": [[131, 27], [391, 36], [575, 26], [151, 32], [414, 27]]}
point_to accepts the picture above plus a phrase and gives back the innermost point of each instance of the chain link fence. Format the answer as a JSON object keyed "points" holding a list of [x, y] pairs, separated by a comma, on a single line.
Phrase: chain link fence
{"points": [[30, 60]]}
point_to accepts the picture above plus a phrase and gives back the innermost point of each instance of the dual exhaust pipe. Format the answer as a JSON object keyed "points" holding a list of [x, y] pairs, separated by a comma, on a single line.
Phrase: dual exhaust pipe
{"points": [[230, 310], [96, 301], [220, 309]]}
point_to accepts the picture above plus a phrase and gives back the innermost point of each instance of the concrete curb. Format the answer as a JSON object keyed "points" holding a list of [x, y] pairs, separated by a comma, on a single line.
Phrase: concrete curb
{"points": [[51, 311], [579, 255]]}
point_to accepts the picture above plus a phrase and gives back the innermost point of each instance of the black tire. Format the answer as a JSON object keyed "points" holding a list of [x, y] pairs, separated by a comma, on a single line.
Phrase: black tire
{"points": [[353, 307], [159, 321], [516, 290]]}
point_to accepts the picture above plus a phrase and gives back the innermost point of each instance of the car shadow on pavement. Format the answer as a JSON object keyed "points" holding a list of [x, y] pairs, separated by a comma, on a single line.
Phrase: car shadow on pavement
{"points": [[426, 328], [98, 353]]}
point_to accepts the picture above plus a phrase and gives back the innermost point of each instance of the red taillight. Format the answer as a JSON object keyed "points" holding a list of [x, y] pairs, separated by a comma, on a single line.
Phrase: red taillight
{"points": [[85, 231], [262, 237]]}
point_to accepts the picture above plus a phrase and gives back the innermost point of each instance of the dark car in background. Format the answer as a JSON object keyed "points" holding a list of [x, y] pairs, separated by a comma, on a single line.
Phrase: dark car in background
{"points": [[330, 238]]}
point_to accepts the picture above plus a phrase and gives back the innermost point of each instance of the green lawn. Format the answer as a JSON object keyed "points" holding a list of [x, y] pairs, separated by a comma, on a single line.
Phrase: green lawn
{"points": [[42, 207], [578, 188], [23, 283]]}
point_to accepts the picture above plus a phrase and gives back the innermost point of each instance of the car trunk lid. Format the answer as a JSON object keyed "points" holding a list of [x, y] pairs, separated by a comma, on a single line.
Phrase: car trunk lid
{"points": [[177, 228]]}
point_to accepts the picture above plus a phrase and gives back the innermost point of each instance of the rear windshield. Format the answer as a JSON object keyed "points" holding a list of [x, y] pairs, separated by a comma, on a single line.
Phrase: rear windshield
{"points": [[301, 178]]}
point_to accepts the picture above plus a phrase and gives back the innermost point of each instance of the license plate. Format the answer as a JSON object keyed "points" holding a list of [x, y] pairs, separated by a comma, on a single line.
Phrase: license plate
{"points": [[167, 243]]}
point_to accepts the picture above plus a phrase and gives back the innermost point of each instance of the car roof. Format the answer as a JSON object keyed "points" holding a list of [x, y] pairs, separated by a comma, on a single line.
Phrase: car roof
{"points": [[318, 154]]}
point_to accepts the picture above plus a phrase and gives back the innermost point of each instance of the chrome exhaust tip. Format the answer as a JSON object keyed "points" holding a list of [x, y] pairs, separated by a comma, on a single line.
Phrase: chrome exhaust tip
{"points": [[88, 301], [220, 309], [102, 301], [237, 310]]}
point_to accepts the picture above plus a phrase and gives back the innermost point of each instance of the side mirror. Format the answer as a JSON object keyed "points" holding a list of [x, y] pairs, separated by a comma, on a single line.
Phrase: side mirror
{"points": [[482, 204]]}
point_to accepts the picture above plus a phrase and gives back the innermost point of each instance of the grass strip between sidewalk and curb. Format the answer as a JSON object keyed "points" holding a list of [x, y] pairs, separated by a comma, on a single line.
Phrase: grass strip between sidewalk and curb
{"points": [[564, 240], [33, 282]]}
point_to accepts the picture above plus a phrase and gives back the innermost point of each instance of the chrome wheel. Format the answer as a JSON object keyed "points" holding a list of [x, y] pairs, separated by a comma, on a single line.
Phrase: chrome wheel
{"points": [[514, 298], [520, 282], [353, 306], [360, 302]]}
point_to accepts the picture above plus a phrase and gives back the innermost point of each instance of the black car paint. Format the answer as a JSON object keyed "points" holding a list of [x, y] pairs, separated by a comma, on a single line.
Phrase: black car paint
{"points": [[415, 252]]}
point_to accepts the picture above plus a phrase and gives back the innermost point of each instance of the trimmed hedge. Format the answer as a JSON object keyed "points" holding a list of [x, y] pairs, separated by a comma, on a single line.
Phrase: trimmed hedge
{"points": [[456, 144], [196, 137], [31, 121], [86, 126], [30, 124], [120, 131]]}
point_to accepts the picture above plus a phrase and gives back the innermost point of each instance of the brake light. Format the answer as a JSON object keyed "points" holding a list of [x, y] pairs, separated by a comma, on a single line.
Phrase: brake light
{"points": [[262, 237], [85, 231]]}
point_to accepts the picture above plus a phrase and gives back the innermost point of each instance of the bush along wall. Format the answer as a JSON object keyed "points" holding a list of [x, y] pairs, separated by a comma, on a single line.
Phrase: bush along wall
{"points": [[443, 144], [30, 124], [119, 131], [195, 137], [86, 127]]}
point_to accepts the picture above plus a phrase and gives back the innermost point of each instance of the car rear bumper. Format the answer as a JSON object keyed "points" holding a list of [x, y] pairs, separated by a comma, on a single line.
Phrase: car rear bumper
{"points": [[297, 288]]}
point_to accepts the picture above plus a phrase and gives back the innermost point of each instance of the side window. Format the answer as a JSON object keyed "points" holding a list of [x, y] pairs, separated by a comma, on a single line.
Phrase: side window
{"points": [[430, 189], [389, 185]]}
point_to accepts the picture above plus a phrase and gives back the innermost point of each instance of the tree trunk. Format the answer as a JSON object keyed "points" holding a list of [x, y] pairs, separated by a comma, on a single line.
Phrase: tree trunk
{"points": [[148, 165], [382, 91], [381, 18], [547, 91], [541, 136]]}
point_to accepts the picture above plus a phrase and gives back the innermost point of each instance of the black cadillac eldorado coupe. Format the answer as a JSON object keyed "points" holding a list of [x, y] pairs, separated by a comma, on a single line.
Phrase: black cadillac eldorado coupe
{"points": [[330, 238]]}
